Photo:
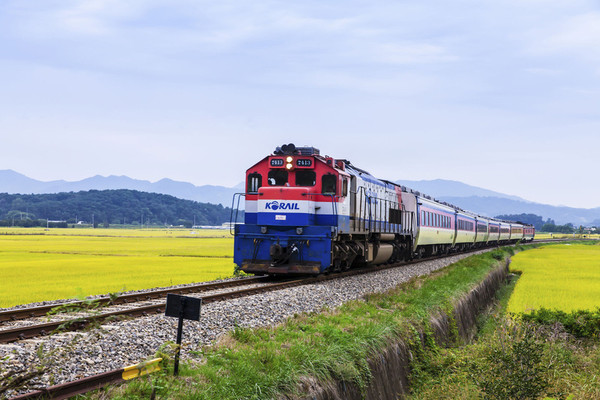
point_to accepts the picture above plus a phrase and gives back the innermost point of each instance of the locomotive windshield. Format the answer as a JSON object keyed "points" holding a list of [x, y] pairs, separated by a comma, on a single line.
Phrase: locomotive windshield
{"points": [[277, 177], [306, 178], [328, 184]]}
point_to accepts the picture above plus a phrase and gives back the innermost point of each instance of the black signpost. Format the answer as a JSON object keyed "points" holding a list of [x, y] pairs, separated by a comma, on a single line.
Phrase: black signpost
{"points": [[182, 307]]}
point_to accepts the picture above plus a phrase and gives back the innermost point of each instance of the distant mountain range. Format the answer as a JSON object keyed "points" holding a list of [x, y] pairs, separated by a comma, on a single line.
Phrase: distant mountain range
{"points": [[13, 182], [490, 203], [450, 189], [472, 198]]}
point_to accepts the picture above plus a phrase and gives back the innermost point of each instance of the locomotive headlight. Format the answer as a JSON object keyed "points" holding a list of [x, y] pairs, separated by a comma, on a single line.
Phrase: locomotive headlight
{"points": [[289, 166], [263, 229], [299, 230], [289, 159]]}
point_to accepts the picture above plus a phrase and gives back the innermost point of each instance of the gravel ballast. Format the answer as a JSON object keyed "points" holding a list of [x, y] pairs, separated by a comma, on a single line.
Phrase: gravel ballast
{"points": [[73, 356]]}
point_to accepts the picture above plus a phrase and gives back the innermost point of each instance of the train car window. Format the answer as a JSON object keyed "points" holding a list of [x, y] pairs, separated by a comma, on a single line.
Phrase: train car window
{"points": [[345, 187], [328, 184], [306, 178], [277, 177], [254, 182]]}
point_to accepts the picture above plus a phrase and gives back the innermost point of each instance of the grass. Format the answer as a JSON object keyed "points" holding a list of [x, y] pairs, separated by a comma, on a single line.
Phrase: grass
{"points": [[38, 265], [560, 277], [274, 362]]}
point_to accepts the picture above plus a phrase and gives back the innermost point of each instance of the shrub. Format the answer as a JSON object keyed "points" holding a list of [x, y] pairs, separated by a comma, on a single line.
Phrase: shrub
{"points": [[580, 323], [512, 367]]}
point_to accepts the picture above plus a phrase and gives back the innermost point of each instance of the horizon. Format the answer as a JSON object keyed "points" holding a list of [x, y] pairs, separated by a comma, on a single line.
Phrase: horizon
{"points": [[500, 95], [242, 183]]}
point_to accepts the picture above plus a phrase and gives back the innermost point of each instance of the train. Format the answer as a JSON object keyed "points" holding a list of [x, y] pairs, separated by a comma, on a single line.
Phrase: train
{"points": [[309, 214]]}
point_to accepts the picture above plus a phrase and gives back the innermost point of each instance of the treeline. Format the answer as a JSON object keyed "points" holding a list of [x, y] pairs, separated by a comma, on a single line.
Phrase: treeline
{"points": [[105, 207], [540, 225], [530, 219]]}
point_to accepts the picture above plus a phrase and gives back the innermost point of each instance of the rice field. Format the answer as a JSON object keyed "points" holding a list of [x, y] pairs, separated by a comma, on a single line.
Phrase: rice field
{"points": [[541, 236], [563, 277], [38, 264]]}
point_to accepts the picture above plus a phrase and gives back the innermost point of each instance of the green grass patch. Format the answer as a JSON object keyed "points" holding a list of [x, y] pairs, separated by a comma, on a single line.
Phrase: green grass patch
{"points": [[333, 345]]}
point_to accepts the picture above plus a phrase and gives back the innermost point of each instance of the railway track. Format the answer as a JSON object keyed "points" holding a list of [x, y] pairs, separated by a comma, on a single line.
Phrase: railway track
{"points": [[40, 311]]}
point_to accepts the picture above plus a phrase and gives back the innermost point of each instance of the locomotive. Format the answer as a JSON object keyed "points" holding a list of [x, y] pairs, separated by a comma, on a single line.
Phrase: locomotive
{"points": [[312, 214]]}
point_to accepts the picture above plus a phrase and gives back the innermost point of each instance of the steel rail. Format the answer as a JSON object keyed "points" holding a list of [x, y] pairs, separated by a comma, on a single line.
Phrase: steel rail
{"points": [[80, 386], [76, 324], [70, 389], [39, 311]]}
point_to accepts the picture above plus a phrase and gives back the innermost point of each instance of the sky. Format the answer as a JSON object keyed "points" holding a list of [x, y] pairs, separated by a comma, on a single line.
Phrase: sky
{"points": [[500, 94]]}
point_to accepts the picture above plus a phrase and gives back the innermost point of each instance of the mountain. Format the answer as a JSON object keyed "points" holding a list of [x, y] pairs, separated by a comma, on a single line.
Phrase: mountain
{"points": [[12, 182], [447, 188], [479, 200], [489, 203]]}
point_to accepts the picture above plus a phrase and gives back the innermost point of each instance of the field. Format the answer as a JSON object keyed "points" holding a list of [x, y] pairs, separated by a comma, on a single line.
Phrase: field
{"points": [[563, 277], [542, 236], [38, 264]]}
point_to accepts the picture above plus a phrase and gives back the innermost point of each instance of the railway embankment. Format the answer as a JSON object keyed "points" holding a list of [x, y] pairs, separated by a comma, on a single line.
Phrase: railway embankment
{"points": [[454, 321], [365, 348]]}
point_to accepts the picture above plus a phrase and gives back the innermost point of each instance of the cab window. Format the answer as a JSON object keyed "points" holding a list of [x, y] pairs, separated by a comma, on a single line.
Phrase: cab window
{"points": [[277, 177], [254, 182], [306, 178], [328, 184], [345, 187]]}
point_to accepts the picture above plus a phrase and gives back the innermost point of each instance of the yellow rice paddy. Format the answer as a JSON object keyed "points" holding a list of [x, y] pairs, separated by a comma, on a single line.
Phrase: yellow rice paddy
{"points": [[562, 277], [38, 264]]}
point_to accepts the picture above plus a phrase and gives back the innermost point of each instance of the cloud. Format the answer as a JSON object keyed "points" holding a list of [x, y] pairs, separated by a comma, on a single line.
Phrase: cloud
{"points": [[580, 34]]}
